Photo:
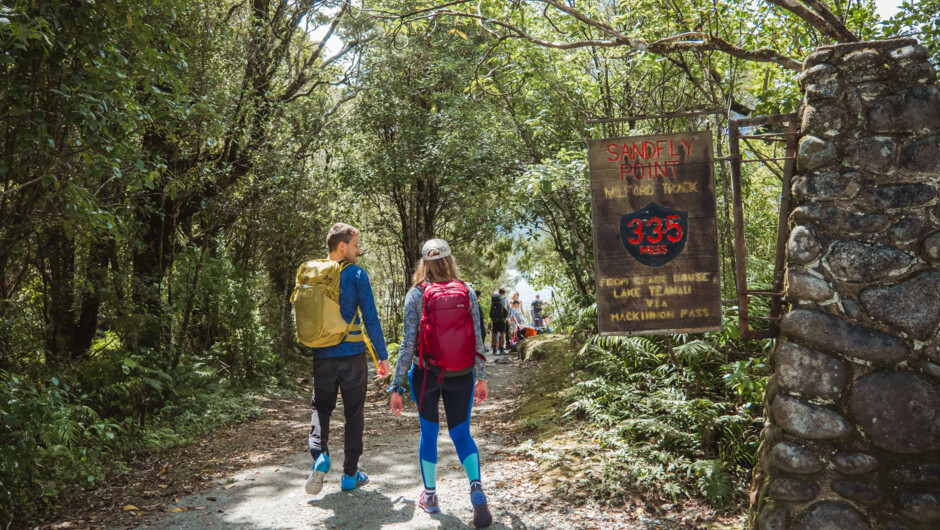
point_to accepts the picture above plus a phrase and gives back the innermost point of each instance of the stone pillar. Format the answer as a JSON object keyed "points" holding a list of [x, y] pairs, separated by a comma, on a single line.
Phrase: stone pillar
{"points": [[852, 439]]}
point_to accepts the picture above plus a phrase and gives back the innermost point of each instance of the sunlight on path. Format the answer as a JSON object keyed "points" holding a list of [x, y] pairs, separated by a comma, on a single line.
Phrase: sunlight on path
{"points": [[272, 497]]}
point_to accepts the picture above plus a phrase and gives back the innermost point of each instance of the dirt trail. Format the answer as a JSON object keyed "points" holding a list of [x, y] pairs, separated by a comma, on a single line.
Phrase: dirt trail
{"points": [[271, 495], [252, 475]]}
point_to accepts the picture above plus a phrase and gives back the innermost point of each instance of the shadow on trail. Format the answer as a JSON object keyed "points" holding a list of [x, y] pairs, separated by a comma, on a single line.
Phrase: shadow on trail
{"points": [[369, 510], [450, 521]]}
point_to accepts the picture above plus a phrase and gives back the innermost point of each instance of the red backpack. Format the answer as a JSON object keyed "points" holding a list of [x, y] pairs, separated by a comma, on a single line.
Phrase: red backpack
{"points": [[447, 337]]}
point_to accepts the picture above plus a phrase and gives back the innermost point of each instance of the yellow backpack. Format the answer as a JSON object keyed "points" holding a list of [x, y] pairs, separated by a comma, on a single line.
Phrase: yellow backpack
{"points": [[316, 305]]}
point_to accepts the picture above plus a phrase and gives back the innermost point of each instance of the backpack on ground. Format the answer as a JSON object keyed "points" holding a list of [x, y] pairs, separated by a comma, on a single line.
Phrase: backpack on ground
{"points": [[447, 337], [497, 309], [316, 305]]}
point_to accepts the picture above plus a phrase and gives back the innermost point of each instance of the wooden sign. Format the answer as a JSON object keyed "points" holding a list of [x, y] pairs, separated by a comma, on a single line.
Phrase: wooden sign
{"points": [[655, 234]]}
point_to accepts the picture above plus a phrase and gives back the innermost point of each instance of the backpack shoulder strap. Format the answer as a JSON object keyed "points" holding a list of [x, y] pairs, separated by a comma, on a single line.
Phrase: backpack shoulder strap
{"points": [[351, 326]]}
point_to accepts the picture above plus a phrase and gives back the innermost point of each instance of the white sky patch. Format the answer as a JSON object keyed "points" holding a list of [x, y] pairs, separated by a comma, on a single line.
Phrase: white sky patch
{"points": [[333, 46], [526, 292], [887, 8]]}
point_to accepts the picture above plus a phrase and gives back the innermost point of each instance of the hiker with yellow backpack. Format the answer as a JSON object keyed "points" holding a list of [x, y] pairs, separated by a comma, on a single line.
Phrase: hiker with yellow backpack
{"points": [[332, 301]]}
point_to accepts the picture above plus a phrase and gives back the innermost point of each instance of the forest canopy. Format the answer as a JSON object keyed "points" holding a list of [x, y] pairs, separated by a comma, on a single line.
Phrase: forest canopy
{"points": [[166, 165]]}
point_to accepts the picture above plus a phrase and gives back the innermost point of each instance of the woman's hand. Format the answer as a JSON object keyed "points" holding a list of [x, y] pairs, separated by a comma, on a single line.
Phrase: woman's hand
{"points": [[480, 392], [395, 403]]}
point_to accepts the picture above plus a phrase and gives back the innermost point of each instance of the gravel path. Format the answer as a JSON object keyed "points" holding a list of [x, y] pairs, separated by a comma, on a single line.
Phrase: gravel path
{"points": [[271, 496], [262, 487]]}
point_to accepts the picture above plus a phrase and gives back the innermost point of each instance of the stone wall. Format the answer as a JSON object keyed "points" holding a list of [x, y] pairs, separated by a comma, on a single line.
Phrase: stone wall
{"points": [[852, 439]]}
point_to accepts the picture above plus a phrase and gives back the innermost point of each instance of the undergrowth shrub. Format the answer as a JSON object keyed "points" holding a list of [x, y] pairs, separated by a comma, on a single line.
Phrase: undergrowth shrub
{"points": [[54, 439], [677, 416]]}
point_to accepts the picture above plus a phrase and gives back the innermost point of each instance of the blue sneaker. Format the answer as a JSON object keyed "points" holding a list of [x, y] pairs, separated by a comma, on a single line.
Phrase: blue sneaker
{"points": [[317, 473], [349, 483], [481, 512]]}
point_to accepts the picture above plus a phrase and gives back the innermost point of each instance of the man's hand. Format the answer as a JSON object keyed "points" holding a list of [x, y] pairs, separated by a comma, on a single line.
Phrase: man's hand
{"points": [[395, 403], [480, 392], [384, 369]]}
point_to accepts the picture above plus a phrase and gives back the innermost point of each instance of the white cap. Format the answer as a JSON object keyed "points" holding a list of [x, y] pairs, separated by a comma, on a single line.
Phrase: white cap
{"points": [[439, 245]]}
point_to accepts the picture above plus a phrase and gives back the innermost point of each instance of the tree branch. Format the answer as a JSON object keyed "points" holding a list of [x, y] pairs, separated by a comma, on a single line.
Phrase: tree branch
{"points": [[815, 19], [660, 47], [827, 15]]}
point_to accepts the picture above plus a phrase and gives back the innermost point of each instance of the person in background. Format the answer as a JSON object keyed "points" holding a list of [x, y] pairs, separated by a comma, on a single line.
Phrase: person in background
{"points": [[498, 314], [516, 318], [482, 319], [430, 384], [537, 312]]}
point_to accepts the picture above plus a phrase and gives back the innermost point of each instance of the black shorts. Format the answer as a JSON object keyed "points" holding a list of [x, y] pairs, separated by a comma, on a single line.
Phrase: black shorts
{"points": [[499, 326]]}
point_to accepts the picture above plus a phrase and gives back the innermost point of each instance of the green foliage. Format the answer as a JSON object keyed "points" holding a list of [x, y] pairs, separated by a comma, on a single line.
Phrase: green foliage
{"points": [[53, 441], [674, 415], [166, 165], [921, 20]]}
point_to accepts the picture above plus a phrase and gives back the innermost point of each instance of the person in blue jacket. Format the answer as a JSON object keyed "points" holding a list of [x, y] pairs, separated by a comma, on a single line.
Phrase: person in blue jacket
{"points": [[343, 368]]}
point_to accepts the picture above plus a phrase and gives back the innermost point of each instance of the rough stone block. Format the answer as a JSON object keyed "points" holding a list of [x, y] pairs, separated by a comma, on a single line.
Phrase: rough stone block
{"points": [[854, 101], [795, 458], [861, 263], [866, 75], [822, 91], [807, 371], [791, 489], [854, 463], [861, 59], [932, 247], [814, 152], [801, 285], [920, 73], [913, 305], [916, 473], [898, 196], [827, 185], [929, 368], [913, 109], [832, 516], [858, 491], [829, 334], [932, 350], [909, 54], [775, 519], [921, 157], [838, 221], [826, 121], [923, 507], [808, 420], [820, 73], [875, 154], [850, 308], [899, 411], [910, 228], [802, 246], [817, 57]]}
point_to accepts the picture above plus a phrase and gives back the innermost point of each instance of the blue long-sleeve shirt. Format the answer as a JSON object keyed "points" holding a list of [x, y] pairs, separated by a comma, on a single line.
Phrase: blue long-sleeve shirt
{"points": [[356, 293]]}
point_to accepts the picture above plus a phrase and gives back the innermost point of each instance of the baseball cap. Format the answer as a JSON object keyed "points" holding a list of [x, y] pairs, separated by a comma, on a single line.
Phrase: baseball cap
{"points": [[435, 244]]}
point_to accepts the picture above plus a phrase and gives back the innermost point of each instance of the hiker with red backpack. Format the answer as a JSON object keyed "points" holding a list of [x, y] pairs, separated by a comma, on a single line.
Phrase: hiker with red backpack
{"points": [[441, 325]]}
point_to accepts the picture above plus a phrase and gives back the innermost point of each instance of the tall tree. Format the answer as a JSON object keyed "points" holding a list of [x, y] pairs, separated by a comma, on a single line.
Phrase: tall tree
{"points": [[429, 160]]}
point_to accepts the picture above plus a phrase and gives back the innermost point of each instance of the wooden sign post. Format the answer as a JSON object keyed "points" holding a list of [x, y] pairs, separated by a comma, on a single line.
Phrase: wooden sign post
{"points": [[655, 234]]}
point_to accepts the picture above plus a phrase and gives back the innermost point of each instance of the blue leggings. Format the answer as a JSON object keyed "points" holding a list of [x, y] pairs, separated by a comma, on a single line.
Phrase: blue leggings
{"points": [[457, 394]]}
